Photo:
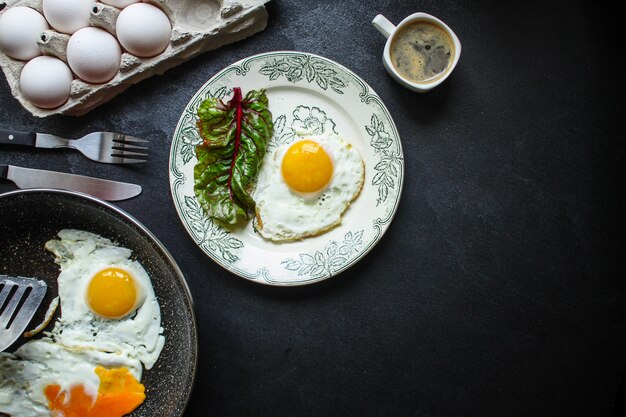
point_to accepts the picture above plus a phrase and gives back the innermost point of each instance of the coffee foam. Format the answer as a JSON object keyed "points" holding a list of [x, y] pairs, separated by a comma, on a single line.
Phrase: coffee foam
{"points": [[422, 51]]}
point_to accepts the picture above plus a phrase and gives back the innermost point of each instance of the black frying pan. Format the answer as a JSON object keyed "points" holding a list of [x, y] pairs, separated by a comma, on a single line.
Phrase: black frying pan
{"points": [[29, 218]]}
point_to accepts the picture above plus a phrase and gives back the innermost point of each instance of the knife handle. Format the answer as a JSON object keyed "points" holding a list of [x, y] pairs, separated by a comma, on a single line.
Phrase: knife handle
{"points": [[8, 137], [4, 171]]}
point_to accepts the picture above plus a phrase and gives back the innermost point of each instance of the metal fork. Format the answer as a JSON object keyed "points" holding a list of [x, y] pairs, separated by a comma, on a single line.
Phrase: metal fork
{"points": [[106, 147], [19, 300]]}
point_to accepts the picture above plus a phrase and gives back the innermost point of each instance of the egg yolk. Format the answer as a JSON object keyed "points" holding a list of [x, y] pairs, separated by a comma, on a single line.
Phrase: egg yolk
{"points": [[112, 293], [119, 394], [307, 167]]}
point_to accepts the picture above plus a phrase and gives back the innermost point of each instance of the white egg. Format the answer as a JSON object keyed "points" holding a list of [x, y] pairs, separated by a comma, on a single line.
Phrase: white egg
{"points": [[143, 30], [45, 81], [20, 28], [68, 16], [136, 334], [94, 55], [120, 4], [310, 200]]}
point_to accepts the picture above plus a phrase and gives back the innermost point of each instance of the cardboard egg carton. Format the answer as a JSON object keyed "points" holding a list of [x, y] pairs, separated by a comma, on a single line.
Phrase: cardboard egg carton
{"points": [[197, 26]]}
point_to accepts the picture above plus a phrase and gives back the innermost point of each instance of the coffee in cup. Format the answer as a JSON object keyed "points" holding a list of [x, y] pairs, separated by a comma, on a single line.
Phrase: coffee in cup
{"points": [[421, 51]]}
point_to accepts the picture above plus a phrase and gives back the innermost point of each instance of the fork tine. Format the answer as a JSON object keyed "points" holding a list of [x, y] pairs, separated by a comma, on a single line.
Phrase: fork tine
{"points": [[128, 154], [121, 160], [125, 146], [120, 138], [126, 150]]}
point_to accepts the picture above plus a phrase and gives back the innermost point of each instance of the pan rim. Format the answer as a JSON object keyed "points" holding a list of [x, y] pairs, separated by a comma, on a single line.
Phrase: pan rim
{"points": [[166, 254]]}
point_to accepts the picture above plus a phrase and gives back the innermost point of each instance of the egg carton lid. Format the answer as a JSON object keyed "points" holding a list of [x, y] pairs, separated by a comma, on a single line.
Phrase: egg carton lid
{"points": [[197, 26]]}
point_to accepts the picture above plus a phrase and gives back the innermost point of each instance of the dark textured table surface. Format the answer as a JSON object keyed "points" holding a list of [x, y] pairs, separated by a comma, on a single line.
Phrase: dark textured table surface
{"points": [[498, 288]]}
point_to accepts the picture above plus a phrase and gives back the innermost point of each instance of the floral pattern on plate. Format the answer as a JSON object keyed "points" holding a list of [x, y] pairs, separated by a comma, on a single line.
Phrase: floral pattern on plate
{"points": [[306, 93]]}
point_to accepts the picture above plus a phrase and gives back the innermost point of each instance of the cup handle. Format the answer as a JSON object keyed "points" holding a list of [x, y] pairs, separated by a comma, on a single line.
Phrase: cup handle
{"points": [[383, 25]]}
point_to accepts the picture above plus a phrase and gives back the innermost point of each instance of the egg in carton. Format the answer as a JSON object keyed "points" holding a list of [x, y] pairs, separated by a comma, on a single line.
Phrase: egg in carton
{"points": [[197, 26]]}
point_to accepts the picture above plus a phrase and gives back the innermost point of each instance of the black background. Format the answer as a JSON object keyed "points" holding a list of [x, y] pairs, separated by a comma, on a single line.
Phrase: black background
{"points": [[498, 288]]}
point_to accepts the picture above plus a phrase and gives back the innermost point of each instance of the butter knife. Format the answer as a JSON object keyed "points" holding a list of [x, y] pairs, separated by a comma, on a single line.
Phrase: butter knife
{"points": [[39, 178]]}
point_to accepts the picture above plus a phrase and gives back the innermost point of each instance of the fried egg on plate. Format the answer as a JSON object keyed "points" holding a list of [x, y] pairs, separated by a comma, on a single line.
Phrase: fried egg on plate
{"points": [[43, 378], [305, 186], [107, 299]]}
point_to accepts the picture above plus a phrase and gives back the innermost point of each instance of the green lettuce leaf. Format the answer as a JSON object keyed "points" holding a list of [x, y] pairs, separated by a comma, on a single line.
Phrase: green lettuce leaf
{"points": [[235, 136]]}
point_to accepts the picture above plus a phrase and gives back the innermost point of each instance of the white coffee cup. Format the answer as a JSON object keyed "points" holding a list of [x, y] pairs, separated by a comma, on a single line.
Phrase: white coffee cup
{"points": [[390, 31]]}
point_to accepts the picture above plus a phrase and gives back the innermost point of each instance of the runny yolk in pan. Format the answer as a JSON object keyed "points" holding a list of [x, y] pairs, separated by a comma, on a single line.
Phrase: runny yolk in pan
{"points": [[119, 394]]}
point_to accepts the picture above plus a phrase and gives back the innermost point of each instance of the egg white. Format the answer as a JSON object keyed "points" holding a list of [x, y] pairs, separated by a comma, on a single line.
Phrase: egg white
{"points": [[25, 374], [82, 255], [284, 215]]}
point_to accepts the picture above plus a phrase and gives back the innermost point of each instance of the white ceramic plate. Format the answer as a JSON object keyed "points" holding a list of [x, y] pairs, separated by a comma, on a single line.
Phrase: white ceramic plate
{"points": [[310, 91]]}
